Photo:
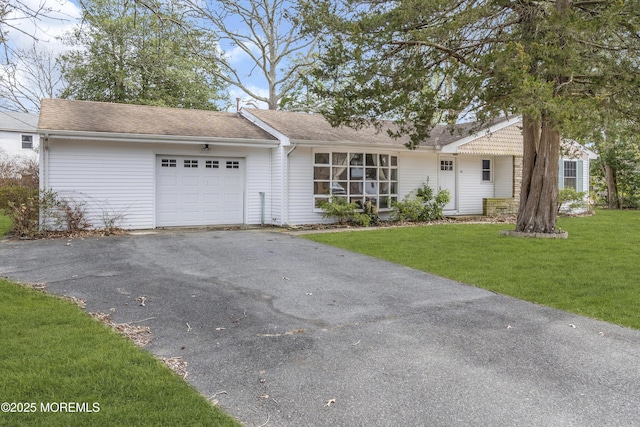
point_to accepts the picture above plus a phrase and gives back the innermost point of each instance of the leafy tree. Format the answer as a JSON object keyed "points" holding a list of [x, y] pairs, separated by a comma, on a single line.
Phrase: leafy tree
{"points": [[267, 32], [557, 63], [128, 54]]}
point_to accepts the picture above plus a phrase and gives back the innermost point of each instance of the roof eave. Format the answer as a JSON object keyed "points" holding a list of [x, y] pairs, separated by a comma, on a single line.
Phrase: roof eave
{"points": [[322, 143], [147, 138]]}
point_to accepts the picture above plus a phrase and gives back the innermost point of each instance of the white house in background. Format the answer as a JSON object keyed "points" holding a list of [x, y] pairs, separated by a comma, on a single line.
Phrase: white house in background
{"points": [[162, 167], [18, 135]]}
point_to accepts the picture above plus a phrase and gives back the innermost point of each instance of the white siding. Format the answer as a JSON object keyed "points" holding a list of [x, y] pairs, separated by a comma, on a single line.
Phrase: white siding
{"points": [[111, 180], [300, 189], [11, 145], [119, 178], [503, 176], [415, 169], [471, 188]]}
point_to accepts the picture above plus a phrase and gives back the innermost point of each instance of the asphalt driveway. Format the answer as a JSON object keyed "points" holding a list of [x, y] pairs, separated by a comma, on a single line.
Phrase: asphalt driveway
{"points": [[288, 332]]}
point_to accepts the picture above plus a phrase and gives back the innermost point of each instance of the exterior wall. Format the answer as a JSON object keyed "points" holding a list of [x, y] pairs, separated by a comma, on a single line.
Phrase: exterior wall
{"points": [[503, 176], [11, 145], [300, 188], [416, 168], [120, 177], [471, 188]]}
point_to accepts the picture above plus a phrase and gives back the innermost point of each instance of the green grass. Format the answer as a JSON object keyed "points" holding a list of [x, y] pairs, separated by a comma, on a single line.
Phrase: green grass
{"points": [[595, 272], [51, 351], [5, 224]]}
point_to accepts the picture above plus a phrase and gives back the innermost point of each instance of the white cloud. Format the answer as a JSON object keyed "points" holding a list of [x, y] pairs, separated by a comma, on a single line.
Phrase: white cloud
{"points": [[55, 17]]}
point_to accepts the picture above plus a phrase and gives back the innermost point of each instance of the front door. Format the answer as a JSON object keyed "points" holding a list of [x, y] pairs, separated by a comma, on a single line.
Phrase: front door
{"points": [[447, 180]]}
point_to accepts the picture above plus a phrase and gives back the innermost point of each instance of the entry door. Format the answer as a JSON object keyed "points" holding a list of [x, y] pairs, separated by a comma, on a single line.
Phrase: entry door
{"points": [[195, 191], [447, 180]]}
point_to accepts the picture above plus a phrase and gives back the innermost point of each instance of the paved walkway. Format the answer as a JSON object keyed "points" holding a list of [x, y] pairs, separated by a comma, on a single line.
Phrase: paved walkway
{"points": [[288, 332]]}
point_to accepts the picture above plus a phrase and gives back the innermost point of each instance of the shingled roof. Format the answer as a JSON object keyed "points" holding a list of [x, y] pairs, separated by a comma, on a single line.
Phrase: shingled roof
{"points": [[100, 117], [18, 122], [314, 128]]}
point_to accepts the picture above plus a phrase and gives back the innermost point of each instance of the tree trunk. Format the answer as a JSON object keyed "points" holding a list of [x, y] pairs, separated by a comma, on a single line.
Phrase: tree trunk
{"points": [[612, 187], [539, 194]]}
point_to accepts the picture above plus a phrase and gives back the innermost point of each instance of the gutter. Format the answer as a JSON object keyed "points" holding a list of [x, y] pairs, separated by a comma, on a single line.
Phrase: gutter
{"points": [[144, 138]]}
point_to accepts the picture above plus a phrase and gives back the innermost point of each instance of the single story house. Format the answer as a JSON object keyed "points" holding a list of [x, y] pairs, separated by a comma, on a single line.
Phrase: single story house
{"points": [[19, 138], [160, 167]]}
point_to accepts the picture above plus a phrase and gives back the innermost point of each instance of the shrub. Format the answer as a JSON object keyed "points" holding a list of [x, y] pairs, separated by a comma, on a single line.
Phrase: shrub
{"points": [[569, 199], [421, 205], [338, 208]]}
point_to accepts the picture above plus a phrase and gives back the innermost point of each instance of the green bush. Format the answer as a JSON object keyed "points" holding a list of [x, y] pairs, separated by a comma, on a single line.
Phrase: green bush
{"points": [[338, 208], [421, 205], [16, 195], [570, 199]]}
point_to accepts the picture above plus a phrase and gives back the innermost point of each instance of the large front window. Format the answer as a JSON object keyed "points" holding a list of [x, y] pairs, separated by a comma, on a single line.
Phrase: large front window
{"points": [[357, 177]]}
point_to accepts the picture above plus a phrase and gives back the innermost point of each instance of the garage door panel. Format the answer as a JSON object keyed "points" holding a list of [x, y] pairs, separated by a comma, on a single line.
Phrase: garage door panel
{"points": [[199, 191]]}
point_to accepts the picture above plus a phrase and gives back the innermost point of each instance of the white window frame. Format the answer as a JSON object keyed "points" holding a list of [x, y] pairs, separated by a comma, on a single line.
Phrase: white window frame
{"points": [[489, 169], [573, 177], [353, 178], [28, 140]]}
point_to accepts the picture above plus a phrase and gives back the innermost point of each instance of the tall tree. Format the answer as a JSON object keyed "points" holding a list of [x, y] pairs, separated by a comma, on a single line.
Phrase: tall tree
{"points": [[33, 74], [268, 33], [125, 53], [554, 62]]}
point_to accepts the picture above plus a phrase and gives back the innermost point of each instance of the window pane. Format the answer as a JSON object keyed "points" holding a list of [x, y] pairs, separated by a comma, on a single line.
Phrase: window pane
{"points": [[486, 164], [371, 187], [570, 183], [372, 160], [570, 169], [384, 202], [372, 174], [321, 187], [338, 188], [394, 174], [322, 158], [321, 173], [384, 160], [384, 188], [340, 173], [355, 188], [356, 173], [384, 174], [339, 159], [486, 175], [394, 161], [356, 159], [394, 188]]}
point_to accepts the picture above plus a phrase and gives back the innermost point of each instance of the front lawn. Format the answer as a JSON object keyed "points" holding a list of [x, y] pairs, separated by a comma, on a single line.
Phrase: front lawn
{"points": [[5, 224], [65, 369], [594, 272]]}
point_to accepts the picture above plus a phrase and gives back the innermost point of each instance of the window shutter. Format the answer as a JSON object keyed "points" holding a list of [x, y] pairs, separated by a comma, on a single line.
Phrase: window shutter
{"points": [[561, 174], [579, 180]]}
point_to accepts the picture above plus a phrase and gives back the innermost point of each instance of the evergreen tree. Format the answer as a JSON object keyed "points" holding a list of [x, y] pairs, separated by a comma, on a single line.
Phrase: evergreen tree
{"points": [[559, 64]]}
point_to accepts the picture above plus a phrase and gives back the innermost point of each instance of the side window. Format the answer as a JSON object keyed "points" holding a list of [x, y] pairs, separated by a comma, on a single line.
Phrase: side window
{"points": [[570, 174], [486, 170], [27, 142]]}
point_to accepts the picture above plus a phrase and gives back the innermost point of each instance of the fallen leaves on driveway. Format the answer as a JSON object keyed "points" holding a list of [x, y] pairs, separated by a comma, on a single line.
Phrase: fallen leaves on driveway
{"points": [[177, 365], [140, 335]]}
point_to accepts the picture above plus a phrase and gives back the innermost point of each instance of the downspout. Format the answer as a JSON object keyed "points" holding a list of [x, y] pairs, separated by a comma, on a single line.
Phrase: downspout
{"points": [[285, 182], [43, 171]]}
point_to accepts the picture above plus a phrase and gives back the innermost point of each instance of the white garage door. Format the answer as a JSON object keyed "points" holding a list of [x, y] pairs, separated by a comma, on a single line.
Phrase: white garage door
{"points": [[199, 191]]}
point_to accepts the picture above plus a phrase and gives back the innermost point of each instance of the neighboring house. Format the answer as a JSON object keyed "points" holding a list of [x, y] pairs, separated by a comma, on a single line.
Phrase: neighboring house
{"points": [[18, 136], [160, 167]]}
